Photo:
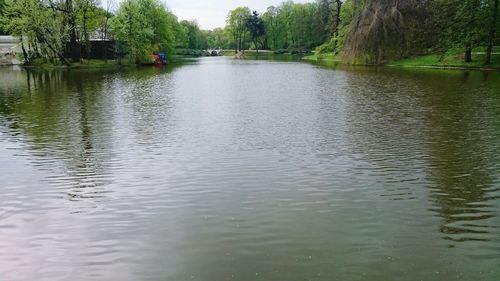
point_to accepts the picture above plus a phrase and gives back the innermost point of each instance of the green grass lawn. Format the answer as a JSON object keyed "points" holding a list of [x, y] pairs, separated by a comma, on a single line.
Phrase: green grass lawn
{"points": [[449, 61]]}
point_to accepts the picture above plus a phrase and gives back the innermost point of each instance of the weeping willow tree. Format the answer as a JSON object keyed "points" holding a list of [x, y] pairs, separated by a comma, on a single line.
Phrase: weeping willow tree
{"points": [[379, 30]]}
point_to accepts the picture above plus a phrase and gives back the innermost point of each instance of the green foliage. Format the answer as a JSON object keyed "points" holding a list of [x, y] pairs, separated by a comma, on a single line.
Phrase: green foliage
{"points": [[294, 26], [144, 26], [237, 28], [42, 30], [256, 28], [193, 37], [217, 38], [2, 11]]}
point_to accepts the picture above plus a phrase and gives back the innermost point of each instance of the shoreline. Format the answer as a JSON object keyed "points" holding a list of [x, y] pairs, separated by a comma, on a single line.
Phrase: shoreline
{"points": [[405, 63], [330, 58]]}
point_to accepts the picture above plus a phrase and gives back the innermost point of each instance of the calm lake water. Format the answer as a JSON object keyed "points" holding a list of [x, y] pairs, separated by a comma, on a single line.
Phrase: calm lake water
{"points": [[223, 169]]}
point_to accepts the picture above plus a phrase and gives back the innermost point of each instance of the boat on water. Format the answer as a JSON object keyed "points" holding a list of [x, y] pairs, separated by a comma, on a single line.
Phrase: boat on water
{"points": [[157, 59]]}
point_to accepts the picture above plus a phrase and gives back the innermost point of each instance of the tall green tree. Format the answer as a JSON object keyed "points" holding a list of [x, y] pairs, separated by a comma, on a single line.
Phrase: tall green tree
{"points": [[256, 27], [236, 21]]}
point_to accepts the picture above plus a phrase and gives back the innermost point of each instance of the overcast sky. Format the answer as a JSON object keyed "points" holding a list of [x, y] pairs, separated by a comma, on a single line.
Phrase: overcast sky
{"points": [[212, 13]]}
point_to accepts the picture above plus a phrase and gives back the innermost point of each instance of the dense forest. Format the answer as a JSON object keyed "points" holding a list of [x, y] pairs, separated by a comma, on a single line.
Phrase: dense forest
{"points": [[356, 31]]}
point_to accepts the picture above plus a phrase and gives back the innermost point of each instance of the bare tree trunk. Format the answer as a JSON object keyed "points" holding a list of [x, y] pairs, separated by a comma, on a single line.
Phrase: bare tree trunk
{"points": [[491, 35], [337, 24]]}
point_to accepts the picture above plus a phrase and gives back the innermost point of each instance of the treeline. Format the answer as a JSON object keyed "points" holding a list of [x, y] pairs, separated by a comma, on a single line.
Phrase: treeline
{"points": [[370, 31], [62, 31], [379, 31], [358, 31], [296, 27]]}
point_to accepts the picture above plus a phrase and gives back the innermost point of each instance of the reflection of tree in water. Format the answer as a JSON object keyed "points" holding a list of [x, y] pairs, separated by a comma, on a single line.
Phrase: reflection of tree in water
{"points": [[62, 118], [447, 122], [463, 129]]}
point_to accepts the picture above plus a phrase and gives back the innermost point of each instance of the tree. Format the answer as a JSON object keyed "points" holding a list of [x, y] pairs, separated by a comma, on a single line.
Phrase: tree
{"points": [[143, 27], [2, 12], [87, 11], [255, 26], [68, 9], [236, 21], [493, 27], [271, 26], [40, 29], [196, 38]]}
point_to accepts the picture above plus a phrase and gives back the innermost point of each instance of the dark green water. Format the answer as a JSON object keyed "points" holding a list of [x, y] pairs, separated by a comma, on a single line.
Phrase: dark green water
{"points": [[222, 169]]}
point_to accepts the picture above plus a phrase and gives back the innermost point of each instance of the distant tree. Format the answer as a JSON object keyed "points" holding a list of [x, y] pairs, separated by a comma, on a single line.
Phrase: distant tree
{"points": [[236, 21], [196, 38], [256, 27], [271, 26], [217, 39]]}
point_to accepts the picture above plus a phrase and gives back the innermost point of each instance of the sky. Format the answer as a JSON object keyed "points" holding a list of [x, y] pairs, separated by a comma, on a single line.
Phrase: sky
{"points": [[212, 13]]}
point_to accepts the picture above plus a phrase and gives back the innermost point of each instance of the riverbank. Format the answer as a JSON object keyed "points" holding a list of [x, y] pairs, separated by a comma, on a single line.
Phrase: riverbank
{"points": [[449, 62], [427, 61]]}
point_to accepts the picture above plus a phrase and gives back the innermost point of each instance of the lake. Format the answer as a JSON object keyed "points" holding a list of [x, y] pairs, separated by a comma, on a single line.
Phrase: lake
{"points": [[223, 169]]}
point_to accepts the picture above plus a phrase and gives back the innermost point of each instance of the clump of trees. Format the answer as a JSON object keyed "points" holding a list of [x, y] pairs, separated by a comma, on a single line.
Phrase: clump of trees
{"points": [[359, 31], [371, 31], [60, 31], [53, 30], [391, 29], [143, 27]]}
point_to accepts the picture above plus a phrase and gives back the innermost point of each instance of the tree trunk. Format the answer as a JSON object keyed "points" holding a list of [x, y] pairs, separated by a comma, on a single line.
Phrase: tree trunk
{"points": [[468, 53], [491, 35], [85, 33], [60, 56], [73, 40], [337, 24], [25, 54]]}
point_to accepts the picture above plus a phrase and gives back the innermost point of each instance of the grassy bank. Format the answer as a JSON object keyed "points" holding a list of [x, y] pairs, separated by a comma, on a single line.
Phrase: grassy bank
{"points": [[451, 61], [430, 61]]}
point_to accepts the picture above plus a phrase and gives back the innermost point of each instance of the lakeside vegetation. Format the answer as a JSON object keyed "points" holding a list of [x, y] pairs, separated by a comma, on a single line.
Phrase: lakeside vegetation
{"points": [[413, 32]]}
